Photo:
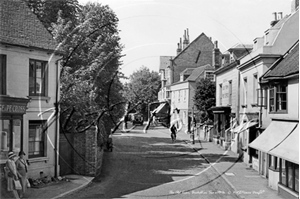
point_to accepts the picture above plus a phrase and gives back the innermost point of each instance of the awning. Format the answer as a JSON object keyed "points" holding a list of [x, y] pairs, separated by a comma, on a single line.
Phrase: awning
{"points": [[273, 135], [243, 127], [289, 148], [162, 108]]}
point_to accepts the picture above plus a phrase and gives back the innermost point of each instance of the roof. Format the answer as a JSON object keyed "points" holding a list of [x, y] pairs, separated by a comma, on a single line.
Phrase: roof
{"points": [[164, 62], [242, 46], [190, 44], [286, 66], [19, 26], [198, 71], [187, 71]]}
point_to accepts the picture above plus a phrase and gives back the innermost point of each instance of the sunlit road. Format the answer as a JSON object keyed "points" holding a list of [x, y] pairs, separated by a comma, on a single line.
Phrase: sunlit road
{"points": [[149, 165]]}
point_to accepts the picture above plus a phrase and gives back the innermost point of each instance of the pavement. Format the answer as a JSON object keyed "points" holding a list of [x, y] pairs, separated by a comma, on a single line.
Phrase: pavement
{"points": [[245, 182]]}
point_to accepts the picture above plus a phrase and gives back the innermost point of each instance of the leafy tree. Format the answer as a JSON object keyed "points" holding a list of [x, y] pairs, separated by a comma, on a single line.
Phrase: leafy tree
{"points": [[90, 78], [205, 98], [47, 10], [142, 88]]}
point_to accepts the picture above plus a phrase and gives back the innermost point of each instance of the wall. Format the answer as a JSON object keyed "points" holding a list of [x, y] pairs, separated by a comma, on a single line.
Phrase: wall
{"points": [[223, 78], [88, 161]]}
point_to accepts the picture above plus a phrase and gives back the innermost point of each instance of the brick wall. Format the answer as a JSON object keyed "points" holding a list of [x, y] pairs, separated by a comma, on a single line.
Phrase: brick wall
{"points": [[190, 57], [90, 151]]}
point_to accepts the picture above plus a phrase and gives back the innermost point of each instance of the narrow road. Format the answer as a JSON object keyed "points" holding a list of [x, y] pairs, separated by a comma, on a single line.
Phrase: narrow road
{"points": [[150, 166]]}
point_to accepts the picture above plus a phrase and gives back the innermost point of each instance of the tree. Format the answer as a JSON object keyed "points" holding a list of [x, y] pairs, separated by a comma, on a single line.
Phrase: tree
{"points": [[47, 10], [205, 98], [90, 77], [142, 88]]}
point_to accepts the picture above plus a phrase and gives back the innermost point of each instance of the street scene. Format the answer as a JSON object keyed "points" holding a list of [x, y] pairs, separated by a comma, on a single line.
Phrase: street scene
{"points": [[149, 99]]}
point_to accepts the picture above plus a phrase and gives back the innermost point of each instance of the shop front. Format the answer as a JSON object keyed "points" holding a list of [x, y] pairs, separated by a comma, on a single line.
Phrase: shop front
{"points": [[221, 123], [11, 125], [278, 159]]}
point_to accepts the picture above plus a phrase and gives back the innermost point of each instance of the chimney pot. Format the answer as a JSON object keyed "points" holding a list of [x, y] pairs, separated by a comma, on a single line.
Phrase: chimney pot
{"points": [[216, 44], [275, 16], [279, 15]]}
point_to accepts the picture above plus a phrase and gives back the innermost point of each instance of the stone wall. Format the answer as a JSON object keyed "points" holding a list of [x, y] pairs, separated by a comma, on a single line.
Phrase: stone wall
{"points": [[88, 161]]}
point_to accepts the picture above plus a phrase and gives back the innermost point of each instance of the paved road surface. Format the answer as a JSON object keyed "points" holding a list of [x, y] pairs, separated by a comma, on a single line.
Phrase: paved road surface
{"points": [[150, 166]]}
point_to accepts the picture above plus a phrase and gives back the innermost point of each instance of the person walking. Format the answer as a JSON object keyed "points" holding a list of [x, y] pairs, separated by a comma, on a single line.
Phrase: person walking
{"points": [[22, 169], [173, 130], [11, 171]]}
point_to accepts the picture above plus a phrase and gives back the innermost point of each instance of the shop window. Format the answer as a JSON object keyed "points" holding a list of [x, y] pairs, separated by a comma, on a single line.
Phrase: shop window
{"points": [[289, 175], [37, 139], [10, 137], [273, 162], [278, 98], [37, 77], [3, 74]]}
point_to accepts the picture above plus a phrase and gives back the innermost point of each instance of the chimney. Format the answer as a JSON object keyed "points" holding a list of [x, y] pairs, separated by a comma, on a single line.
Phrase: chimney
{"points": [[179, 47], [185, 41], [279, 14], [295, 5], [188, 36], [216, 56], [275, 19]]}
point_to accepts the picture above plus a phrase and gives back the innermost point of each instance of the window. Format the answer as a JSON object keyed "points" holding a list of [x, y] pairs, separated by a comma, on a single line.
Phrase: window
{"points": [[289, 175], [3, 74], [220, 93], [184, 96], [178, 95], [278, 98], [37, 144], [210, 75], [10, 130], [37, 78], [255, 87], [273, 162], [245, 91], [230, 92]]}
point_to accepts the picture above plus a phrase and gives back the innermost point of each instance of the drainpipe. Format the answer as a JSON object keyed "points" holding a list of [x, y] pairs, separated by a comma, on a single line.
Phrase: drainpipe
{"points": [[238, 101], [57, 120]]}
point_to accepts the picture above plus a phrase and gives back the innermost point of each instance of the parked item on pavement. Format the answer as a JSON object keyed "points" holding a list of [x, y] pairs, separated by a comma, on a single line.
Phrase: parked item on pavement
{"points": [[136, 118]]}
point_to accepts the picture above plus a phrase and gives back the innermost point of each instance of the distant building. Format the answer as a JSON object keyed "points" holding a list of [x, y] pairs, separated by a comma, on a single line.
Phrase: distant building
{"points": [[29, 71], [226, 111]]}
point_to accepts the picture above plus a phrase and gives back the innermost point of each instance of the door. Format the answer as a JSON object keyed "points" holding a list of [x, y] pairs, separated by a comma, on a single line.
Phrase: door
{"points": [[66, 154]]}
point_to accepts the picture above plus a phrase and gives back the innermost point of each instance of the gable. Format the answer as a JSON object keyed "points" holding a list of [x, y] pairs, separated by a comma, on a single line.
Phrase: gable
{"points": [[197, 53], [19, 26]]}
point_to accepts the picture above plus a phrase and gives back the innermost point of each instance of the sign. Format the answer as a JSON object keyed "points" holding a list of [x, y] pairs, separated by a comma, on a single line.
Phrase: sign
{"points": [[9, 108]]}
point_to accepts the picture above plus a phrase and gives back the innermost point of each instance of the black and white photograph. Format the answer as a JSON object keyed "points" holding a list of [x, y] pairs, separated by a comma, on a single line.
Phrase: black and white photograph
{"points": [[149, 99]]}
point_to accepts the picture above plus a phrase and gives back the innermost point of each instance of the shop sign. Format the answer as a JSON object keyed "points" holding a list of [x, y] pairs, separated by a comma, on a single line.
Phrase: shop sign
{"points": [[10, 108]]}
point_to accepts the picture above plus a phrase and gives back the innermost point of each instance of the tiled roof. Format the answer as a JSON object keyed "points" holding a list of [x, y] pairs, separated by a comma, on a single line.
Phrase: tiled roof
{"points": [[198, 71], [289, 65], [19, 26], [187, 71], [164, 62]]}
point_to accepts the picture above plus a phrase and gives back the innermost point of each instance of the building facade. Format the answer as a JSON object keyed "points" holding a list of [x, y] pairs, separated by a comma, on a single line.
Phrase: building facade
{"points": [[278, 145], [29, 89]]}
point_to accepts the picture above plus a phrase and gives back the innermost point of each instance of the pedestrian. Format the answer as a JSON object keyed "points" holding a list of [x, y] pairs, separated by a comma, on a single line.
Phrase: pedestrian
{"points": [[173, 130], [22, 169], [11, 171]]}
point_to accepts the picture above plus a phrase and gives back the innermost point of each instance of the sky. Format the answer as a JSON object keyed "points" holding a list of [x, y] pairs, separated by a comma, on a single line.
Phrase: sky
{"points": [[152, 28]]}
